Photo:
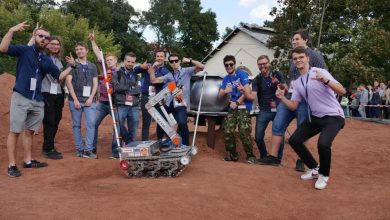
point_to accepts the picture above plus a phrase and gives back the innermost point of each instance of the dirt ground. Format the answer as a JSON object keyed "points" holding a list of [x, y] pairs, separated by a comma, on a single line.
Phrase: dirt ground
{"points": [[76, 188]]}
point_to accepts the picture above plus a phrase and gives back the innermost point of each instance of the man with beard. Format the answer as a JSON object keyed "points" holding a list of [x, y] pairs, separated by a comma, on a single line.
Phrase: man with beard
{"points": [[27, 106]]}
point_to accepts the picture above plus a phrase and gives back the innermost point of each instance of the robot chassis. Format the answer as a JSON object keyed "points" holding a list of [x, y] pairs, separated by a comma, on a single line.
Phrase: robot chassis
{"points": [[167, 157]]}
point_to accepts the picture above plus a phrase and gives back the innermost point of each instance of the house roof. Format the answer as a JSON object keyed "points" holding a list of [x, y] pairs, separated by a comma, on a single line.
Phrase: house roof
{"points": [[261, 34]]}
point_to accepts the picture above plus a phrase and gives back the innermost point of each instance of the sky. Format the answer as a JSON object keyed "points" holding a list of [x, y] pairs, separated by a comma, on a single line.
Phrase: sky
{"points": [[229, 12]]}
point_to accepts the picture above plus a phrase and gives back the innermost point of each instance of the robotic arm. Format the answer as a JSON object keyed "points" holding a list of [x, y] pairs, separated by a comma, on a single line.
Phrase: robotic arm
{"points": [[167, 123]]}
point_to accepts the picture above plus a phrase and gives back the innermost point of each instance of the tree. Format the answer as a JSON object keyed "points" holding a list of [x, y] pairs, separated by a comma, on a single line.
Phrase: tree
{"points": [[353, 37], [180, 26], [67, 26], [111, 16]]}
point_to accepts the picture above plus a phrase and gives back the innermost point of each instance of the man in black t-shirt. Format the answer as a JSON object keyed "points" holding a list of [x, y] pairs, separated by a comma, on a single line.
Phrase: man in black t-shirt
{"points": [[264, 87]]}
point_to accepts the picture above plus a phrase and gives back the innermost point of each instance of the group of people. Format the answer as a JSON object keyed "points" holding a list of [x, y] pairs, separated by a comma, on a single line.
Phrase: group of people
{"points": [[38, 96], [368, 101], [311, 98]]}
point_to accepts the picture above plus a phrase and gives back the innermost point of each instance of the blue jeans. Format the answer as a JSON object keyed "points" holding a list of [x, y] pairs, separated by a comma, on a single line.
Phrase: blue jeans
{"points": [[89, 114], [131, 114], [262, 121], [284, 116], [102, 110], [180, 115]]}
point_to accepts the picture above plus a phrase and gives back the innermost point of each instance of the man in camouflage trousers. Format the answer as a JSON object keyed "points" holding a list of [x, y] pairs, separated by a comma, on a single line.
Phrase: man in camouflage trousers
{"points": [[237, 84]]}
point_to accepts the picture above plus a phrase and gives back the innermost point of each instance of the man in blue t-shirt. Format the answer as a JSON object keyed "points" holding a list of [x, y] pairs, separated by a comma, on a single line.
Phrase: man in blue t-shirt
{"points": [[27, 106], [236, 84]]}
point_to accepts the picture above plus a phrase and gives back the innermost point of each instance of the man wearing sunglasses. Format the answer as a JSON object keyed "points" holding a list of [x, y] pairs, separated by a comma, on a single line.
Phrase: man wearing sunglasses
{"points": [[27, 106], [181, 76], [236, 84]]}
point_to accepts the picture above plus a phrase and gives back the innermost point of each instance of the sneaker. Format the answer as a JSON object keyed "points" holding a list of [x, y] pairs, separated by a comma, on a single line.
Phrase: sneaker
{"points": [[300, 166], [89, 154], [79, 153], [310, 174], [34, 164], [54, 151], [53, 154], [251, 160], [13, 171], [269, 160], [230, 159], [321, 182]]}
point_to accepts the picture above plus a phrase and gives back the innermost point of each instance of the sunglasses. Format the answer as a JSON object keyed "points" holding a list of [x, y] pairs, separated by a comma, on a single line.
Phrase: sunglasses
{"points": [[43, 36], [173, 61], [229, 64]]}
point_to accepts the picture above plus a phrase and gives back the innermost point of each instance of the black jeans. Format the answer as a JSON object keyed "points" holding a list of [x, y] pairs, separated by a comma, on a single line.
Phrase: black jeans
{"points": [[328, 127], [146, 118], [53, 115]]}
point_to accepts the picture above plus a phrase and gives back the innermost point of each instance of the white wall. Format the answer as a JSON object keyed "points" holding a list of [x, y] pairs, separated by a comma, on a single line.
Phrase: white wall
{"points": [[246, 50]]}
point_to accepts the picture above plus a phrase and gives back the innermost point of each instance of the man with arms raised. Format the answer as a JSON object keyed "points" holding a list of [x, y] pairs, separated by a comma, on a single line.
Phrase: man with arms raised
{"points": [[27, 106]]}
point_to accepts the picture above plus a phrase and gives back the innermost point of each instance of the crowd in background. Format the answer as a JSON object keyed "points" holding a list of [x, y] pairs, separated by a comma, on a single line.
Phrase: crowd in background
{"points": [[368, 101]]}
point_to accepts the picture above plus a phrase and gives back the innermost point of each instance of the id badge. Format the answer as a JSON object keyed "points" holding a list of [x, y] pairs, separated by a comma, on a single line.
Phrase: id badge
{"points": [[177, 104], [129, 100], [241, 107], [152, 90], [33, 84], [273, 106], [86, 91], [291, 88], [53, 88]]}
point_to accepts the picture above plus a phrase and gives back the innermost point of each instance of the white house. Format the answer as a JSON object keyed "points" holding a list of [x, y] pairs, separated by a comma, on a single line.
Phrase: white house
{"points": [[246, 43]]}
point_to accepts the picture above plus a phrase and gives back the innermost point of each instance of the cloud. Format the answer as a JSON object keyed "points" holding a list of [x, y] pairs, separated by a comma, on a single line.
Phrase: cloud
{"points": [[140, 5], [261, 12], [246, 3]]}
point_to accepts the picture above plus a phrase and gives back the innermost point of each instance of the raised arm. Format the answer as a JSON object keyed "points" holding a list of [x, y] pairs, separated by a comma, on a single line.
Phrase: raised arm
{"points": [[152, 75], [95, 47], [199, 66], [6, 41]]}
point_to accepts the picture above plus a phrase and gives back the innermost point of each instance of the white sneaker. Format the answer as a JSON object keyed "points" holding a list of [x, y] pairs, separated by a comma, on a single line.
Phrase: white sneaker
{"points": [[310, 174], [321, 182]]}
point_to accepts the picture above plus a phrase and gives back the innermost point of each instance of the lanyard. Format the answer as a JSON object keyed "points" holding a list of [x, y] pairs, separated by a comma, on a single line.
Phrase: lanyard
{"points": [[128, 76], [268, 81], [85, 71], [307, 94], [177, 78]]}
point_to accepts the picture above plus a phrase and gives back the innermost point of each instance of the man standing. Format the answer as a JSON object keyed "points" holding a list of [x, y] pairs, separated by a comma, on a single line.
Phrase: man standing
{"points": [[182, 78], [27, 106], [326, 117], [82, 86], [236, 83], [149, 89], [284, 116], [264, 86], [126, 83], [363, 100], [103, 107], [54, 96]]}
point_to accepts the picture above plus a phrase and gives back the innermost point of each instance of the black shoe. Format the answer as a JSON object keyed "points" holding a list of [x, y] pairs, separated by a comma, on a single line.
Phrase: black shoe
{"points": [[34, 164], [269, 160], [56, 152], [230, 159], [300, 166], [54, 155], [13, 171]]}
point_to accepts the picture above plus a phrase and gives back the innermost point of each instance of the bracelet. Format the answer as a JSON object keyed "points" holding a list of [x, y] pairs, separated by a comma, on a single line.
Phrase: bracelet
{"points": [[327, 82]]}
